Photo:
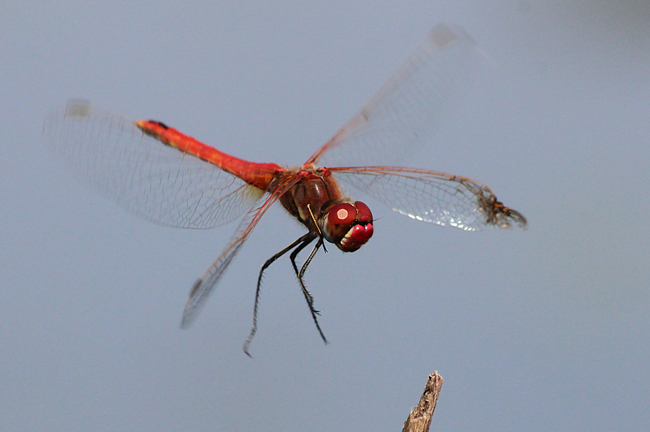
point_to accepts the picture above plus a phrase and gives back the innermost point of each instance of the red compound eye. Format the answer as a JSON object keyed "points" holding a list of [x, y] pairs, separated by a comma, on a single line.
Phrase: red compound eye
{"points": [[365, 215], [342, 214]]}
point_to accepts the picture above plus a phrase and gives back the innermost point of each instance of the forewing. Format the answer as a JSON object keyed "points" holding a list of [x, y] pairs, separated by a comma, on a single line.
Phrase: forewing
{"points": [[407, 105], [204, 286], [151, 180], [432, 196]]}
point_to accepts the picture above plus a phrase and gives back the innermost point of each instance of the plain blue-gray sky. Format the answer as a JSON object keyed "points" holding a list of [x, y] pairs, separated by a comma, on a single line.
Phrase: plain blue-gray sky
{"points": [[546, 329]]}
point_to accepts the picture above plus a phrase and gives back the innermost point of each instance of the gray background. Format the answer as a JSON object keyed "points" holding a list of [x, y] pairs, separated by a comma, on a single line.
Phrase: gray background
{"points": [[539, 330]]}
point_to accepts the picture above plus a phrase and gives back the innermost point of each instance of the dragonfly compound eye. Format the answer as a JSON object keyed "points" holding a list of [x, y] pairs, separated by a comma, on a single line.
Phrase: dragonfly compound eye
{"points": [[363, 212], [342, 214]]}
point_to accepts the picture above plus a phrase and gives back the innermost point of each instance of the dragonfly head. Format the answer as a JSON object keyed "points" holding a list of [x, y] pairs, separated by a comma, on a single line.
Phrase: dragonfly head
{"points": [[348, 225]]}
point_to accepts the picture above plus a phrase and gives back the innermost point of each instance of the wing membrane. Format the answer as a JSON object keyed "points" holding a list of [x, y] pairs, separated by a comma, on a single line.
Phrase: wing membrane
{"points": [[432, 196], [153, 181], [399, 114], [203, 287]]}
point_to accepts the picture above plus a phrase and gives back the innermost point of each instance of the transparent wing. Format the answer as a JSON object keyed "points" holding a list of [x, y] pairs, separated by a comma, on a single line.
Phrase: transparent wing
{"points": [[432, 196], [399, 114], [203, 287], [151, 180]]}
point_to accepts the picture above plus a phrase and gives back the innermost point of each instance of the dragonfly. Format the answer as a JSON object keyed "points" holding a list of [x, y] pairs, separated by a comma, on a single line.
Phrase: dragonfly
{"points": [[164, 176]]}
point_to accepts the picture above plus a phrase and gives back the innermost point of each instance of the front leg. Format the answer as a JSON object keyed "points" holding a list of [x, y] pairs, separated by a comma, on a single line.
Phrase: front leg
{"points": [[301, 273], [302, 242]]}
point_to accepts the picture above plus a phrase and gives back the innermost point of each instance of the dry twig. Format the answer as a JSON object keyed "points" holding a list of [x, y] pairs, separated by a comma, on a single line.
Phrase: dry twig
{"points": [[419, 420]]}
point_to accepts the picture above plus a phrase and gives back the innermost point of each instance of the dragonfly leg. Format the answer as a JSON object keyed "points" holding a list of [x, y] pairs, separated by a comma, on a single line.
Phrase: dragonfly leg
{"points": [[301, 273], [302, 241]]}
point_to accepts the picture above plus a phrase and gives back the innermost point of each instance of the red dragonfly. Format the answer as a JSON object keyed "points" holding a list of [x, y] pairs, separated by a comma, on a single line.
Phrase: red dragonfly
{"points": [[185, 183]]}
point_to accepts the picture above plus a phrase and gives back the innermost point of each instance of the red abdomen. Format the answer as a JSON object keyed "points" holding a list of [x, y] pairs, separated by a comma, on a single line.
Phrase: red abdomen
{"points": [[257, 174]]}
